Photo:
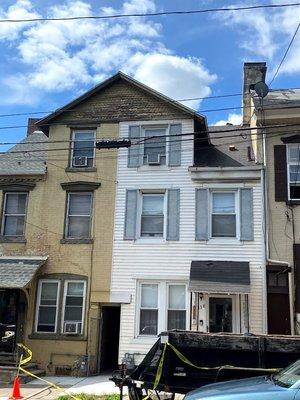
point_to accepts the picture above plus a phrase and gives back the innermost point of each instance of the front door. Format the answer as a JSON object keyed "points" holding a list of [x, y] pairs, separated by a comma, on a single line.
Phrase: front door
{"points": [[278, 301], [9, 302], [220, 311]]}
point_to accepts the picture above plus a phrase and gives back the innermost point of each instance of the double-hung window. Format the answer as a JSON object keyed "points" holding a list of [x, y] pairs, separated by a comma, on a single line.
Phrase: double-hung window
{"points": [[74, 299], [83, 148], [152, 215], [223, 214], [161, 306], [149, 309], [293, 161], [176, 307], [79, 215], [14, 214], [154, 146], [47, 306]]}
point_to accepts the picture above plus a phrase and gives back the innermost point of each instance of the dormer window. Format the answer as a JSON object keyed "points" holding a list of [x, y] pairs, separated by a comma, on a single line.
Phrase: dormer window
{"points": [[154, 147], [83, 148]]}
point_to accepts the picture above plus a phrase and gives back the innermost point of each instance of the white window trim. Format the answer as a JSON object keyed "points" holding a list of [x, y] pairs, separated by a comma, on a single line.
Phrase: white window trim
{"points": [[177, 309], [75, 215], [141, 193], [163, 292], [237, 214], [153, 127], [289, 146], [4, 214], [72, 146], [38, 303], [64, 303], [235, 310]]}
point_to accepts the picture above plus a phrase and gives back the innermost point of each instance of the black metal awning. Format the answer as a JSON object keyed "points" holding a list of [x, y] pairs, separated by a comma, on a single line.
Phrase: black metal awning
{"points": [[220, 277]]}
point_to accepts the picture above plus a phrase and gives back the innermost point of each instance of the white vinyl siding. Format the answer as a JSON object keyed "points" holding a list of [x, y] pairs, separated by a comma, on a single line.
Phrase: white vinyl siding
{"points": [[79, 215], [47, 306], [73, 303], [14, 214], [171, 261]]}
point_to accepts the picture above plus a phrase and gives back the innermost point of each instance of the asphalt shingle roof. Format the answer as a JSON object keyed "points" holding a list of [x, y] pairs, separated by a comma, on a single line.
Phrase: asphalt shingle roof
{"points": [[219, 154], [18, 273], [12, 163]]}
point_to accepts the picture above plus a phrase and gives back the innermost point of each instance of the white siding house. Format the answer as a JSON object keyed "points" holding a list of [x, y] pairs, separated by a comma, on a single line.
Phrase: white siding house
{"points": [[188, 242]]}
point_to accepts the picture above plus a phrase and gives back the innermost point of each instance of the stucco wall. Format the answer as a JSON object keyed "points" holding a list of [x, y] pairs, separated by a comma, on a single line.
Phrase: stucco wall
{"points": [[44, 230]]}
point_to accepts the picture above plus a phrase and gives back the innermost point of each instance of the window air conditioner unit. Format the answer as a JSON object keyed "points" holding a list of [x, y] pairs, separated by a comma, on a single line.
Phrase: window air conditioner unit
{"points": [[153, 159], [72, 328], [80, 161]]}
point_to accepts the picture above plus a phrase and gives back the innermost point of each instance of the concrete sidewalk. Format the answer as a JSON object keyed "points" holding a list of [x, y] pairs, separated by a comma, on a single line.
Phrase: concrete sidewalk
{"points": [[98, 385]]}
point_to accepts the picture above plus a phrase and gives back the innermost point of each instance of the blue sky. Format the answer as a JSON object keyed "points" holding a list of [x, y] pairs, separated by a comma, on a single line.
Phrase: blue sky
{"points": [[46, 64]]}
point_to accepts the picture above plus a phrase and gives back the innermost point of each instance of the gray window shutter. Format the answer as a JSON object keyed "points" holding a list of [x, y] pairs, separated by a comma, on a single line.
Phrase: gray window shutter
{"points": [[134, 152], [202, 214], [246, 214], [173, 219], [175, 145], [130, 214]]}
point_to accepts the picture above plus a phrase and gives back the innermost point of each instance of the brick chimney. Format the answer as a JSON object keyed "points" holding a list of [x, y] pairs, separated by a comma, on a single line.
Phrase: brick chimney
{"points": [[31, 125], [253, 72]]}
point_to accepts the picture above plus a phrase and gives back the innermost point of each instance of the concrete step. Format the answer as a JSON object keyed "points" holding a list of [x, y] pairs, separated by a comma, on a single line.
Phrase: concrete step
{"points": [[8, 373]]}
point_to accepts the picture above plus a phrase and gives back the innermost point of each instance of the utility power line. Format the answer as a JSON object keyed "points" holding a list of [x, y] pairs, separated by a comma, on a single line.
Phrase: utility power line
{"points": [[242, 129], [285, 54], [152, 14]]}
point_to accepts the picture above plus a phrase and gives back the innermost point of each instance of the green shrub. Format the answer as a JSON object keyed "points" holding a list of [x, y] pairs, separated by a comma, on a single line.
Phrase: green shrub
{"points": [[83, 396]]}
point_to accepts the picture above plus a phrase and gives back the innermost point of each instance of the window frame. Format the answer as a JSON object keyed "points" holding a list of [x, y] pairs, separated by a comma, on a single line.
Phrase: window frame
{"points": [[162, 317], [64, 295], [38, 304], [141, 195], [144, 308], [288, 147], [5, 215], [175, 309], [67, 217], [143, 136], [73, 134], [236, 193]]}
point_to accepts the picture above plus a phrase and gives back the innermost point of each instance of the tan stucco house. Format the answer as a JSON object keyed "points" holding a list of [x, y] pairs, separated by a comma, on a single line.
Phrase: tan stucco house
{"points": [[275, 141]]}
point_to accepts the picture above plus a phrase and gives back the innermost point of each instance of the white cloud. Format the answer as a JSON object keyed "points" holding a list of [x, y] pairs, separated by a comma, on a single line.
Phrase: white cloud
{"points": [[234, 119], [265, 34], [177, 77], [65, 55]]}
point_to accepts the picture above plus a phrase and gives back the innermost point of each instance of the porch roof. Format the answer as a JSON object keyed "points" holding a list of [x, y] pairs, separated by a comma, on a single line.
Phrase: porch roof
{"points": [[18, 272], [220, 277]]}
